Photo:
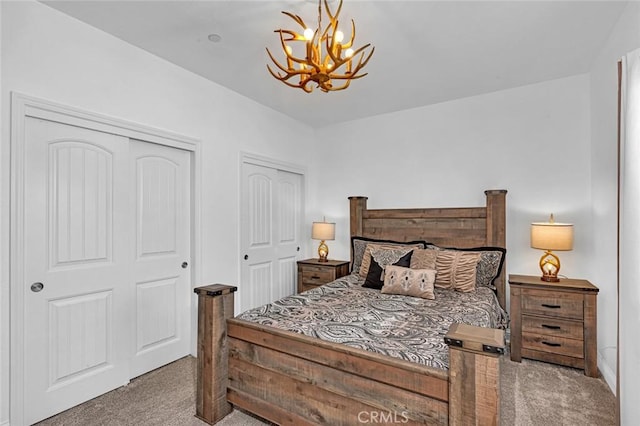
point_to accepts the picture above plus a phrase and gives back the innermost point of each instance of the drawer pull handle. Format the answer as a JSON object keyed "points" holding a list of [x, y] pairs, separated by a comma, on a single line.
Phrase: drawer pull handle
{"points": [[552, 327], [551, 344], [315, 277], [544, 305]]}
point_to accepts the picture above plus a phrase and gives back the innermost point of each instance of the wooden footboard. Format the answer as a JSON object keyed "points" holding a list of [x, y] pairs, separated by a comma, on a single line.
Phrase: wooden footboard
{"points": [[296, 379], [292, 379]]}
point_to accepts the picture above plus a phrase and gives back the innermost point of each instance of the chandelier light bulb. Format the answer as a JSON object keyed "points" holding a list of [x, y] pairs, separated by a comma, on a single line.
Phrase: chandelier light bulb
{"points": [[338, 36], [348, 53], [308, 34]]}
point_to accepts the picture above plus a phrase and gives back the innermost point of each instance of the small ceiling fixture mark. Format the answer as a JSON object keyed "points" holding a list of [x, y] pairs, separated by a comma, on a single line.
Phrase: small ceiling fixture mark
{"points": [[214, 38]]}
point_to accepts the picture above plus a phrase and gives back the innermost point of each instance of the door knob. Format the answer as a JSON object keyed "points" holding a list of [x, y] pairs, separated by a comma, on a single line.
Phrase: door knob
{"points": [[246, 257], [36, 287], [184, 265]]}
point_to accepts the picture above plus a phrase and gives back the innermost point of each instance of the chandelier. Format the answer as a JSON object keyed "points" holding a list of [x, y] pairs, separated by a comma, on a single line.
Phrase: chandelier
{"points": [[325, 58]]}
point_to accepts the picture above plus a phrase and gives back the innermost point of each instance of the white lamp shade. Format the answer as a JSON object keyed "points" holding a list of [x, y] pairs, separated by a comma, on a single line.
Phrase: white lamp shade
{"points": [[552, 236], [323, 231]]}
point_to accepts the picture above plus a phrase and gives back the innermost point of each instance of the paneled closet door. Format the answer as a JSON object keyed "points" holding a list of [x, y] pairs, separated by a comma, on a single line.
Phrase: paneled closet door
{"points": [[107, 263], [161, 273], [271, 214], [77, 309]]}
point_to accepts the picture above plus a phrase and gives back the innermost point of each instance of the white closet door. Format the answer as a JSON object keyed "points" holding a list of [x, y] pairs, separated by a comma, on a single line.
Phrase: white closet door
{"points": [[107, 251], [271, 211], [161, 244], [77, 298], [288, 199]]}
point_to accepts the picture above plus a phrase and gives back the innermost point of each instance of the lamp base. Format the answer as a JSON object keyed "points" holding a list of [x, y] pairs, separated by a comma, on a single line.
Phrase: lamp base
{"points": [[550, 266], [550, 278], [323, 252]]}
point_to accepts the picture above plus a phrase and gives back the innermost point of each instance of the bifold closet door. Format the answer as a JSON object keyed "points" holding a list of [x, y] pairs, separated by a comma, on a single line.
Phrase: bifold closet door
{"points": [[271, 214], [106, 260], [77, 296]]}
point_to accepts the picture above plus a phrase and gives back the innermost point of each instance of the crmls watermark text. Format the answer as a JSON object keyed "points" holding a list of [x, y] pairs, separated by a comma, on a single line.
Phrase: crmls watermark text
{"points": [[382, 417]]}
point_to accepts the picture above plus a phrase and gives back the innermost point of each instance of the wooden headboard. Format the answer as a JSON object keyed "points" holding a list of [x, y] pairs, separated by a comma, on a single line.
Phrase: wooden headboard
{"points": [[461, 227]]}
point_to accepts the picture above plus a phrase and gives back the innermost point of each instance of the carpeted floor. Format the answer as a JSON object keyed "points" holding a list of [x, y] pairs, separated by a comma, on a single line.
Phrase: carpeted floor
{"points": [[536, 393], [532, 393]]}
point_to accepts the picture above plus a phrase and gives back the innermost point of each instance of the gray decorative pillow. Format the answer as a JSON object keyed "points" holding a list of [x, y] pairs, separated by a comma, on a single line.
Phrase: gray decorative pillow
{"points": [[359, 245], [489, 267], [366, 259]]}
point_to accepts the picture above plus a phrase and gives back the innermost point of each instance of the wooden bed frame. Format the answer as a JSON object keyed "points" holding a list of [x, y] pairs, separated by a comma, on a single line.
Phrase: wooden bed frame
{"points": [[292, 379]]}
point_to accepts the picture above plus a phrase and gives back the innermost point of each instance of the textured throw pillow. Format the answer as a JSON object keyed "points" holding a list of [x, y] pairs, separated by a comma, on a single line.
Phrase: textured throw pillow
{"points": [[456, 269], [359, 245], [489, 266], [380, 259], [409, 282], [423, 259], [366, 258]]}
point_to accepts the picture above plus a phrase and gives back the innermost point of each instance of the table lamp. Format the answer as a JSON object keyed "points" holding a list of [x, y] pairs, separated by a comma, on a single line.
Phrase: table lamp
{"points": [[323, 231], [550, 236]]}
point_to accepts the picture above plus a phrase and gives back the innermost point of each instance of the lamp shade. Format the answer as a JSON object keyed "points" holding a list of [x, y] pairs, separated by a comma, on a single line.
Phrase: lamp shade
{"points": [[323, 231], [552, 236]]}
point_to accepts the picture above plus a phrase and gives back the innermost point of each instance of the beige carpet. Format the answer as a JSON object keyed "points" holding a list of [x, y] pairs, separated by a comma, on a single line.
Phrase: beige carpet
{"points": [[536, 393], [532, 393]]}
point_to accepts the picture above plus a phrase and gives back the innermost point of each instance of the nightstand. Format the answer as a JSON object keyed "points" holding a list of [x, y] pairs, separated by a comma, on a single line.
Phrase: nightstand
{"points": [[313, 273], [554, 322]]}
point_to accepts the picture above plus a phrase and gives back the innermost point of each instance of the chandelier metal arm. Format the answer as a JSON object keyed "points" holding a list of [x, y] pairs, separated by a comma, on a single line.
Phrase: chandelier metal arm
{"points": [[289, 72], [302, 85], [294, 35], [339, 62], [332, 17], [284, 69], [290, 57], [296, 18], [353, 36]]}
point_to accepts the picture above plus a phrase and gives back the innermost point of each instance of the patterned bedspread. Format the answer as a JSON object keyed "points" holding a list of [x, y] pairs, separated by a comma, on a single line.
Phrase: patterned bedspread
{"points": [[403, 327]]}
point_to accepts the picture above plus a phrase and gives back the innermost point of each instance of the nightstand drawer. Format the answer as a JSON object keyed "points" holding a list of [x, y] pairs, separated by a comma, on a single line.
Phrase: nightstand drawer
{"points": [[313, 273], [316, 275], [552, 344], [553, 327], [553, 304]]}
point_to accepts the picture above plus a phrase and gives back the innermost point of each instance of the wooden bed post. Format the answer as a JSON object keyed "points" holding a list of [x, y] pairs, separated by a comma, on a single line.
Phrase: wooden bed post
{"points": [[474, 374], [215, 306], [496, 236], [496, 202], [358, 205]]}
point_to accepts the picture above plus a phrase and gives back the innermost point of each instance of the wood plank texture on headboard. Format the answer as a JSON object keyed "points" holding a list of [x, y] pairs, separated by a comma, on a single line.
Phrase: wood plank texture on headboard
{"points": [[461, 227]]}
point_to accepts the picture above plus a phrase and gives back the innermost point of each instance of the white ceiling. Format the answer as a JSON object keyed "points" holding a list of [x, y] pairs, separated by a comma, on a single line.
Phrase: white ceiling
{"points": [[425, 51]]}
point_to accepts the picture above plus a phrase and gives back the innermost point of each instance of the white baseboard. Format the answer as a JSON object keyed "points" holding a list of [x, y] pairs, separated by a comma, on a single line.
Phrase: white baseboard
{"points": [[608, 374]]}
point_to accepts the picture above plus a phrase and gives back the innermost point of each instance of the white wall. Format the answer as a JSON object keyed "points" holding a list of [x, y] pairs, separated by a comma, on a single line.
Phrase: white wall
{"points": [[4, 244], [624, 38], [49, 55], [532, 141]]}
